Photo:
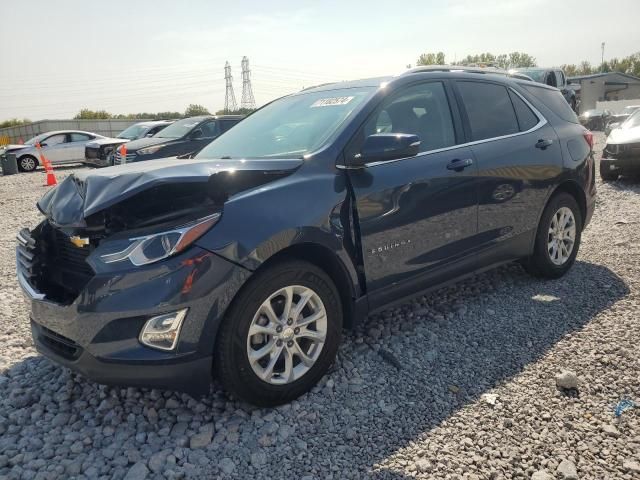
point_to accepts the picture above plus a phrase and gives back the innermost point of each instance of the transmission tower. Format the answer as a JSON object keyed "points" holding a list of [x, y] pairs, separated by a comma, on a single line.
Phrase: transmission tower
{"points": [[247, 92], [230, 97]]}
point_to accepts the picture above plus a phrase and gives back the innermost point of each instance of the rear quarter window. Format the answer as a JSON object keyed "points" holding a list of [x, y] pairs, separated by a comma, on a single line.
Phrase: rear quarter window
{"points": [[554, 101]]}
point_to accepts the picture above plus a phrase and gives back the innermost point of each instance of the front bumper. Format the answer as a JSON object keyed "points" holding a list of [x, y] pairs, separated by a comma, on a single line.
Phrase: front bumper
{"points": [[98, 162], [629, 165], [97, 334]]}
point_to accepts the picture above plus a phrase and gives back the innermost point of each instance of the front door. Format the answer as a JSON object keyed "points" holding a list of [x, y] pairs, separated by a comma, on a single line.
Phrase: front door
{"points": [[53, 147], [417, 215], [75, 147]]}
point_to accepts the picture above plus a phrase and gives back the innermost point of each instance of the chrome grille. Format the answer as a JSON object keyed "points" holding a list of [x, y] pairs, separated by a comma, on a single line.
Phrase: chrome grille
{"points": [[118, 160]]}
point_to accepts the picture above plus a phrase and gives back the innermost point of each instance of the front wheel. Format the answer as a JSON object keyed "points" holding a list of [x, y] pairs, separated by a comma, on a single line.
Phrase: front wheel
{"points": [[557, 239], [27, 163], [281, 334]]}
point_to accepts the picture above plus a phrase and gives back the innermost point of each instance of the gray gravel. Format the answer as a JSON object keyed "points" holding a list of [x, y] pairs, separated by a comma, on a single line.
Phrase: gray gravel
{"points": [[457, 385]]}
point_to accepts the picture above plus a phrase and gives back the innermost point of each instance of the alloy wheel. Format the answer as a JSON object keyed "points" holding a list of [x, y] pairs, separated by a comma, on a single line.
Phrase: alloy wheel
{"points": [[28, 163], [562, 236], [287, 335]]}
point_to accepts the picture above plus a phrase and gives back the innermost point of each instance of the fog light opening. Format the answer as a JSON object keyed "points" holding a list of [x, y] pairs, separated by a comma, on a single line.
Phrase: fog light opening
{"points": [[162, 332]]}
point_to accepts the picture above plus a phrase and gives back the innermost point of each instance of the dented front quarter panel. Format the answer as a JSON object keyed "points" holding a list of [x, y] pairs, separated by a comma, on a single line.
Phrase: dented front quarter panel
{"points": [[309, 207]]}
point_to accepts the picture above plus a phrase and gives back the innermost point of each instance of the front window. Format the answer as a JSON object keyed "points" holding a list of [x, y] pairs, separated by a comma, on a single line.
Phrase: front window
{"points": [[289, 127], [133, 132], [178, 129], [536, 75]]}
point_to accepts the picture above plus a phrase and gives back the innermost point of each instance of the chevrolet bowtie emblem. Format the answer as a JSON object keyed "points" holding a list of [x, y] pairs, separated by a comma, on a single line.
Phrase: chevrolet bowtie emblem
{"points": [[79, 241]]}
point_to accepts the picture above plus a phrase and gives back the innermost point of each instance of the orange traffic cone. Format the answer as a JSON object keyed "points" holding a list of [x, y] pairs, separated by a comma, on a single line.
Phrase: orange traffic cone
{"points": [[51, 177], [123, 154]]}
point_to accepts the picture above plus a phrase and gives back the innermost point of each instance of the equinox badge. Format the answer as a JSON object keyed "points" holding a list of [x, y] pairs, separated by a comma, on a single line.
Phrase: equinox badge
{"points": [[79, 241]]}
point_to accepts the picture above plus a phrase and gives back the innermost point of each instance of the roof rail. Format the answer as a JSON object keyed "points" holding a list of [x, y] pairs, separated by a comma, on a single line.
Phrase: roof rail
{"points": [[455, 68], [467, 69]]}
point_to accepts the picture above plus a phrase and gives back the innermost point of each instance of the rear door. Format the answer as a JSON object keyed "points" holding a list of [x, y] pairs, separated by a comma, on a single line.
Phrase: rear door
{"points": [[518, 158], [417, 215], [74, 148]]}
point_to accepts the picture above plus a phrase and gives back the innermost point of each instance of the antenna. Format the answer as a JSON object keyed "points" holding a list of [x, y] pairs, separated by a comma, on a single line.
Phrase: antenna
{"points": [[230, 97], [247, 92]]}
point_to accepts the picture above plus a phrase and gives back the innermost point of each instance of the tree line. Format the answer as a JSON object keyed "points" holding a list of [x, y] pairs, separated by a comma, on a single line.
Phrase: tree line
{"points": [[192, 110], [629, 65]]}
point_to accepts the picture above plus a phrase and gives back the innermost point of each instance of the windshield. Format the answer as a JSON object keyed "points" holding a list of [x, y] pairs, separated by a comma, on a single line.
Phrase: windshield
{"points": [[36, 139], [630, 110], [633, 121], [178, 129], [536, 75], [289, 127], [133, 132]]}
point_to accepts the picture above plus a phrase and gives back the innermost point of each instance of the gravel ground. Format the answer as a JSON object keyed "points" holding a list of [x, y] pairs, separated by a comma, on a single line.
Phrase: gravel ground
{"points": [[459, 384]]}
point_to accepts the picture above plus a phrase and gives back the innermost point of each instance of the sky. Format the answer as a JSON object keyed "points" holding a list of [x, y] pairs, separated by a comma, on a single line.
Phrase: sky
{"points": [[156, 55]]}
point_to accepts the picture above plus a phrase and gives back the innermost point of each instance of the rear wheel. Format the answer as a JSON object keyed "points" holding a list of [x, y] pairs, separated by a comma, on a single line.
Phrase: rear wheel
{"points": [[557, 239], [607, 174], [27, 163], [281, 334]]}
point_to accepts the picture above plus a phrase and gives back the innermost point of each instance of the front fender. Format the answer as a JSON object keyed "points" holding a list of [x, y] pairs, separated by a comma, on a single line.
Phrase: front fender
{"points": [[299, 209]]}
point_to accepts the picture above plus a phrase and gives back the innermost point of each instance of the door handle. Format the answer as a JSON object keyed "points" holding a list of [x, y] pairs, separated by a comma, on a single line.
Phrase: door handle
{"points": [[459, 165], [542, 144]]}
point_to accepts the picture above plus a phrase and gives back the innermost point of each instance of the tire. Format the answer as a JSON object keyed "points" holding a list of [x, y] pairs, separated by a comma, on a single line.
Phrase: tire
{"points": [[250, 381], [607, 175], [541, 263], [27, 163]]}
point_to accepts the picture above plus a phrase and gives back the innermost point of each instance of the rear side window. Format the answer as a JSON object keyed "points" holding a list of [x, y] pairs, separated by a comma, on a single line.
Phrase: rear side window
{"points": [[489, 110], [526, 118], [554, 101]]}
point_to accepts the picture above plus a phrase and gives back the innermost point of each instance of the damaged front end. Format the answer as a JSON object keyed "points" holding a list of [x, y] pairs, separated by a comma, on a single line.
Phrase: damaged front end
{"points": [[130, 216]]}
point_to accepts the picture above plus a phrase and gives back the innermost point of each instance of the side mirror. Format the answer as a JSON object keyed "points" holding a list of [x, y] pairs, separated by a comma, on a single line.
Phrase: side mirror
{"points": [[196, 134], [149, 135], [381, 147]]}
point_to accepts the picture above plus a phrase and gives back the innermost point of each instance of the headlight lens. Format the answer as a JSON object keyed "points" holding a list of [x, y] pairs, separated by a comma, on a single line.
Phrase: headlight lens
{"points": [[150, 150], [158, 246]]}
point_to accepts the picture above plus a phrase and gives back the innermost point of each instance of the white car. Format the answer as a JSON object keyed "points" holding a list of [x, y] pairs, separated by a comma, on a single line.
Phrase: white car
{"points": [[60, 147]]}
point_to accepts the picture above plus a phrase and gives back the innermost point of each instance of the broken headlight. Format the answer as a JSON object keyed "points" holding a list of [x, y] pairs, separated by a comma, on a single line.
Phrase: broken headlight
{"points": [[158, 246]]}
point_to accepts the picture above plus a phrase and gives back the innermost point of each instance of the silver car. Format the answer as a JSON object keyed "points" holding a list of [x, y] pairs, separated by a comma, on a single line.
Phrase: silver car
{"points": [[59, 147]]}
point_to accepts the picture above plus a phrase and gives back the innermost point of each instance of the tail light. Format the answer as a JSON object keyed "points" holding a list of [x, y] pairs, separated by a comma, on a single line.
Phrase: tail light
{"points": [[588, 137]]}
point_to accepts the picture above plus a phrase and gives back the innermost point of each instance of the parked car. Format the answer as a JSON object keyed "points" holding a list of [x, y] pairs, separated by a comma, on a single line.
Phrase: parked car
{"points": [[60, 147], [621, 154], [100, 152], [616, 119], [182, 137], [319, 208], [554, 77], [595, 119]]}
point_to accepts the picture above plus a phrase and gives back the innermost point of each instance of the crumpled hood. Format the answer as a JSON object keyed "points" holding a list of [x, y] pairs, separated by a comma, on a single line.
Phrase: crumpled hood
{"points": [[83, 194], [106, 141], [6, 148], [621, 136]]}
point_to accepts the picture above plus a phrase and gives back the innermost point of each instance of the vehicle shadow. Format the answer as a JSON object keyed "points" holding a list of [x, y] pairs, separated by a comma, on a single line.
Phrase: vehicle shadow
{"points": [[397, 377]]}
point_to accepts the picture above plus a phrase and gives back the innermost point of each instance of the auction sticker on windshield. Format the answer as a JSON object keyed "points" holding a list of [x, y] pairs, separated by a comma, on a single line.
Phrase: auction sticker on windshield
{"points": [[330, 102]]}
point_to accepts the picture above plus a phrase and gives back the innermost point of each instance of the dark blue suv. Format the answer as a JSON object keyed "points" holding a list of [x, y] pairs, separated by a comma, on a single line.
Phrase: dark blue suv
{"points": [[323, 206]]}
